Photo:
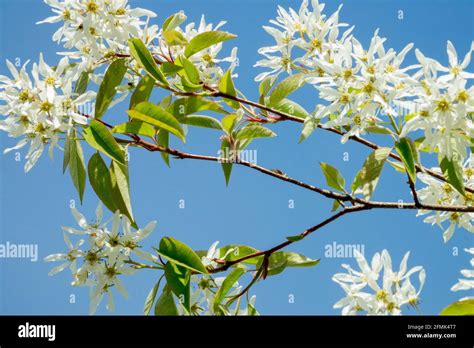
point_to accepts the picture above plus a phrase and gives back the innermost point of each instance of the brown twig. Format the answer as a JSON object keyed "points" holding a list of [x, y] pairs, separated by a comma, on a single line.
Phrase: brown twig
{"points": [[280, 246], [138, 141], [358, 203], [284, 177], [284, 116]]}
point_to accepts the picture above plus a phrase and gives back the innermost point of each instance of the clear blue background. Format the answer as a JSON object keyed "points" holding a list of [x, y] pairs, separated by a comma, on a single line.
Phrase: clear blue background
{"points": [[254, 208]]}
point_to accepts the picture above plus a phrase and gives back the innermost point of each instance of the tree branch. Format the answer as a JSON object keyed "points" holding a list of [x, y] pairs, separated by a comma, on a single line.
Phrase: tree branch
{"points": [[281, 176], [413, 192], [358, 203], [138, 141], [280, 246], [216, 94]]}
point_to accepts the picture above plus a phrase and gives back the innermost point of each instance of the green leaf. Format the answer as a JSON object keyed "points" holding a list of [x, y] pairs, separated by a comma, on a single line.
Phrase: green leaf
{"points": [[202, 121], [82, 83], [409, 155], [164, 140], [181, 254], [150, 299], [67, 145], [229, 122], [190, 105], [368, 177], [166, 101], [251, 310], [77, 167], [226, 85], [191, 71], [378, 130], [205, 40], [465, 307], [334, 178], [335, 205], [165, 305], [101, 182], [239, 251], [452, 171], [108, 88], [174, 38], [188, 86], [170, 69], [416, 153], [286, 87], [173, 21], [178, 279], [252, 131], [290, 107], [296, 238], [146, 60], [265, 86], [310, 124], [157, 116], [280, 260], [135, 127], [397, 166], [110, 185], [121, 188], [142, 92], [100, 138], [226, 161], [227, 284]]}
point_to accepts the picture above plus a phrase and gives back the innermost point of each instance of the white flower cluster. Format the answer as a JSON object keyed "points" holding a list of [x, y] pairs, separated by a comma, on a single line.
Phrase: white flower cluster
{"points": [[441, 193], [209, 65], [107, 257], [466, 284], [39, 110], [368, 86], [308, 31], [204, 289], [386, 297], [443, 105], [100, 29]]}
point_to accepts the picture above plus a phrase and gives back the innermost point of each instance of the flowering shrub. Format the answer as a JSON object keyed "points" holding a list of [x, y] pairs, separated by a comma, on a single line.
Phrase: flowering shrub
{"points": [[423, 108]]}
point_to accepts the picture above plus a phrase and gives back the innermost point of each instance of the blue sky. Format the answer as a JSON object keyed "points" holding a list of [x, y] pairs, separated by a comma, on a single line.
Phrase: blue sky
{"points": [[254, 209]]}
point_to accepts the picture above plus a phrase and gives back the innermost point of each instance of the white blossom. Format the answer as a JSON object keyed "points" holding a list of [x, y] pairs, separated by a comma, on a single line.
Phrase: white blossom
{"points": [[370, 291], [437, 192], [39, 110], [306, 31], [108, 257], [204, 287], [466, 283]]}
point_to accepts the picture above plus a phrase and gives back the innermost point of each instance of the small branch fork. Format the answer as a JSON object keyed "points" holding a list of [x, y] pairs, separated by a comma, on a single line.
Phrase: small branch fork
{"points": [[267, 253], [343, 197], [357, 204], [280, 115], [284, 116]]}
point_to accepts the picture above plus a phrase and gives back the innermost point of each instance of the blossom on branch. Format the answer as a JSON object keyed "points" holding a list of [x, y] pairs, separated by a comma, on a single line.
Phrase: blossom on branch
{"points": [[378, 294], [108, 256]]}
